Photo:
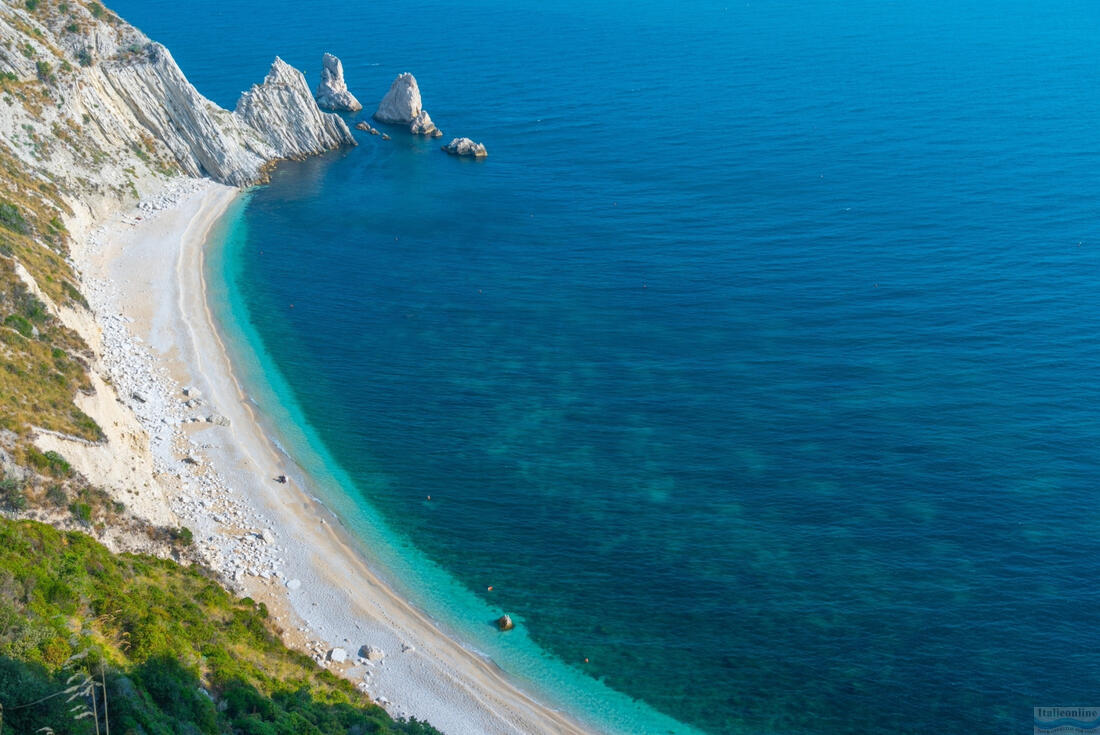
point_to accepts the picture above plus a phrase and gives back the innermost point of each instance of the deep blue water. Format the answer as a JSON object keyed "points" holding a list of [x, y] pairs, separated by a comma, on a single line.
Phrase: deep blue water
{"points": [[758, 364]]}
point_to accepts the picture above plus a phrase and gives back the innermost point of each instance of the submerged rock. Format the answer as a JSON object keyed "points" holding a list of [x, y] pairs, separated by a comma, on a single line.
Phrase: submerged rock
{"points": [[402, 106], [504, 622], [466, 147], [332, 91]]}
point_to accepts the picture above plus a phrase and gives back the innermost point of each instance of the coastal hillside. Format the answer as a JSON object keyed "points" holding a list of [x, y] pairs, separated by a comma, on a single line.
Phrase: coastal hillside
{"points": [[90, 640]]}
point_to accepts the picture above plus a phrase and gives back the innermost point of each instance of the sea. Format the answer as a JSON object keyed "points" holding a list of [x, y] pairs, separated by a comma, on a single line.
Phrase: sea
{"points": [[756, 371]]}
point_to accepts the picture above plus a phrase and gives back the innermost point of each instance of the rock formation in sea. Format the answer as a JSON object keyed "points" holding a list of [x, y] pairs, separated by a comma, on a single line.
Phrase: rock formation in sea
{"points": [[402, 106], [504, 622], [466, 147], [282, 111], [332, 91]]}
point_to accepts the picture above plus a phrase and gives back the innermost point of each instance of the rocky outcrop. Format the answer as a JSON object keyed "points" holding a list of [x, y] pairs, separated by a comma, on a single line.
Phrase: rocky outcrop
{"points": [[284, 114], [332, 92], [402, 106], [422, 125], [466, 147], [366, 128], [504, 622], [125, 93], [370, 653]]}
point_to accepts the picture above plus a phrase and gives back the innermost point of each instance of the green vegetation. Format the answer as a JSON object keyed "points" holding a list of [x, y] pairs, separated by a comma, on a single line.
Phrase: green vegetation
{"points": [[43, 364], [12, 218], [39, 373], [45, 72], [165, 648], [12, 497]]}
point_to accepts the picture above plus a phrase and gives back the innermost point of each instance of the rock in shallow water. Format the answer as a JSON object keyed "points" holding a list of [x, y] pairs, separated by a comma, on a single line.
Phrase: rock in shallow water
{"points": [[466, 147], [504, 622], [332, 92]]}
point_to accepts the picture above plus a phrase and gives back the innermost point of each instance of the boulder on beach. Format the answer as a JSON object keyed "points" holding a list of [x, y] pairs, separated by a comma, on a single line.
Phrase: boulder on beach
{"points": [[402, 106], [371, 653], [293, 584], [466, 147], [504, 622], [338, 655], [332, 92]]}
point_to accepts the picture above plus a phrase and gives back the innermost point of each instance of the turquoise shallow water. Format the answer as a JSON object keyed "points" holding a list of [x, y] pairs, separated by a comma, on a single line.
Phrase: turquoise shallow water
{"points": [[756, 365]]}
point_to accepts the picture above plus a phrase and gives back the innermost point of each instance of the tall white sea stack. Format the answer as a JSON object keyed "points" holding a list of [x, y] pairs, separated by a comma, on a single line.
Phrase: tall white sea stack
{"points": [[332, 92], [402, 106]]}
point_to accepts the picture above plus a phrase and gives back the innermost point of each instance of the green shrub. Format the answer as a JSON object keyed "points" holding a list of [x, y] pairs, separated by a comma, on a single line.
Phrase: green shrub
{"points": [[57, 495], [50, 462], [19, 324], [32, 5], [82, 512], [11, 494], [45, 72], [97, 10], [12, 218], [183, 536]]}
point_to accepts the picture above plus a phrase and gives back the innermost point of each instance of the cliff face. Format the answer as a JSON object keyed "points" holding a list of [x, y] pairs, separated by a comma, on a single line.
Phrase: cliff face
{"points": [[113, 93]]}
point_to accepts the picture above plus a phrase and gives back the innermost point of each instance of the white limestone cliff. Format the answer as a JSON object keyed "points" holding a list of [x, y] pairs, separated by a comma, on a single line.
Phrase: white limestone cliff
{"points": [[128, 110], [287, 117], [402, 106], [332, 91]]}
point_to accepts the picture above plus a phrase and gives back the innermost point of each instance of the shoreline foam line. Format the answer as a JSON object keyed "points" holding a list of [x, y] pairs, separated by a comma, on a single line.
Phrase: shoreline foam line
{"points": [[157, 266]]}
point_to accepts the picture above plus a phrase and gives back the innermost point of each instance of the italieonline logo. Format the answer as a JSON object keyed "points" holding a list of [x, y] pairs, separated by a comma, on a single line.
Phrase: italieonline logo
{"points": [[1067, 721]]}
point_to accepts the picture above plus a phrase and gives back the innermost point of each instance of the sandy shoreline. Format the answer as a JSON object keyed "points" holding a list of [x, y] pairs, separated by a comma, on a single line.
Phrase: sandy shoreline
{"points": [[214, 467]]}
